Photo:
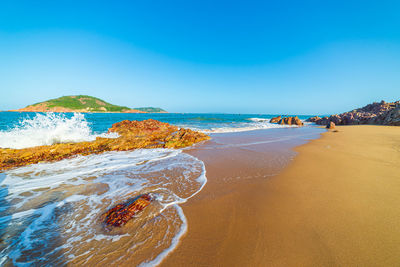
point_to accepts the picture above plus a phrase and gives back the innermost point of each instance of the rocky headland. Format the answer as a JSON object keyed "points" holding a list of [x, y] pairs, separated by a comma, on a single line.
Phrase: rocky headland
{"points": [[132, 135], [381, 113]]}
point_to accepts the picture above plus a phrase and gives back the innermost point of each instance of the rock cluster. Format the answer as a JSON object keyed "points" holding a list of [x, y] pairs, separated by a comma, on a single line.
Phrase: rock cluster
{"points": [[287, 120], [381, 113], [132, 135]]}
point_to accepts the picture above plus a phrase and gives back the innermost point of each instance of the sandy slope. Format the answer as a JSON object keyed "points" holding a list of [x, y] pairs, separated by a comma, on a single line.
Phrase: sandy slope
{"points": [[337, 204]]}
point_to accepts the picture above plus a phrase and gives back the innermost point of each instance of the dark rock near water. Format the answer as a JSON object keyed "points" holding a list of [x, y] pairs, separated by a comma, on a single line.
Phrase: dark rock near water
{"points": [[124, 212]]}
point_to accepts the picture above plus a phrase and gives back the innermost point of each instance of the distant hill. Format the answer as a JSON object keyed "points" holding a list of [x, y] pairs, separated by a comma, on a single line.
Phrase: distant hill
{"points": [[83, 103], [151, 110]]}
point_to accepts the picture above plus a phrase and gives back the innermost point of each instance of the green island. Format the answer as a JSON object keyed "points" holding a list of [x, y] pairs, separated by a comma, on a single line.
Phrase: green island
{"points": [[84, 103], [151, 110]]}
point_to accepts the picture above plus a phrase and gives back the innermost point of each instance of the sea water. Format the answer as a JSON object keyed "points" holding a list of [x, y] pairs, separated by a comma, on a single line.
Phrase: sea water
{"points": [[26, 129], [50, 213]]}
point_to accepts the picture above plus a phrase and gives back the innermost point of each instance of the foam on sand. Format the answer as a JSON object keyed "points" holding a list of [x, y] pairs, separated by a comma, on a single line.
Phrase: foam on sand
{"points": [[51, 212]]}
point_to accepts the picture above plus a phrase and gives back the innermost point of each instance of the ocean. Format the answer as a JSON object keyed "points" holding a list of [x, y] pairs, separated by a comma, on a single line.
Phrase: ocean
{"points": [[50, 213]]}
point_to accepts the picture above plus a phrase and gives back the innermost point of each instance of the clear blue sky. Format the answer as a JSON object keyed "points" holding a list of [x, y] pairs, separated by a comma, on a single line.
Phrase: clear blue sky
{"points": [[303, 57]]}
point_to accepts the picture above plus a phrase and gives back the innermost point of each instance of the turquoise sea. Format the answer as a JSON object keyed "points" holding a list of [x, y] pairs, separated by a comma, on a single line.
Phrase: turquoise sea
{"points": [[100, 122], [50, 212]]}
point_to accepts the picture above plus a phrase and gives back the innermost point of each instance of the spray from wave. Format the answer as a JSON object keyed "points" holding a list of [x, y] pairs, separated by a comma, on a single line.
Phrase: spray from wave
{"points": [[49, 129]]}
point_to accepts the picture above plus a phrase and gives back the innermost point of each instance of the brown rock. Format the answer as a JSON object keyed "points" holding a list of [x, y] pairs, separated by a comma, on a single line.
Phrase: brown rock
{"points": [[275, 119], [313, 119], [288, 121], [291, 121], [124, 212], [297, 121], [132, 135], [330, 125]]}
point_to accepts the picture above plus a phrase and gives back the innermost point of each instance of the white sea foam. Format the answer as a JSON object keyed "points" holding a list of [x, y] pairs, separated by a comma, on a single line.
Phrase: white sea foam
{"points": [[259, 119], [202, 179], [49, 202], [251, 125], [175, 240], [257, 124], [49, 129]]}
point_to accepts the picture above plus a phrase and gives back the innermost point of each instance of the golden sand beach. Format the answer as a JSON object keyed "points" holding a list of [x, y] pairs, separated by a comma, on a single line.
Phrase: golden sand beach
{"points": [[336, 204]]}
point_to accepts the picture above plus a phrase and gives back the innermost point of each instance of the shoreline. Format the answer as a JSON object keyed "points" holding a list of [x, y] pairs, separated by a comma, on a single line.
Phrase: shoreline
{"points": [[329, 206], [274, 198], [242, 176]]}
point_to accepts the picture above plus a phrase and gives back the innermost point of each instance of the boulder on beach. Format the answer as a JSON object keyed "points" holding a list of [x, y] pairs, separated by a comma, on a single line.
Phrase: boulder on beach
{"points": [[331, 125], [297, 121], [275, 119], [313, 119], [291, 121]]}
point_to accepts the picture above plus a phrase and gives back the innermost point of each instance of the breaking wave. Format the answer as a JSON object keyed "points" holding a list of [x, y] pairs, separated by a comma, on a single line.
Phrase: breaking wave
{"points": [[48, 129]]}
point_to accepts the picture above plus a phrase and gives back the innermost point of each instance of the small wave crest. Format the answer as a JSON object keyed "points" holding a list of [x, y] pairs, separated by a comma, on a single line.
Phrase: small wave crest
{"points": [[48, 129], [254, 124], [248, 124], [259, 119]]}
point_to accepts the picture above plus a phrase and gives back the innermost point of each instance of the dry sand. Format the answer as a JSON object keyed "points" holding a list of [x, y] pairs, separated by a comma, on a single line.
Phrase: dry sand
{"points": [[336, 204]]}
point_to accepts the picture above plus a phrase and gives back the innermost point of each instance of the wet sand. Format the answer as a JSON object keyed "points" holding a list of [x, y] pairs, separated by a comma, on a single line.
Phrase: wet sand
{"points": [[336, 204]]}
